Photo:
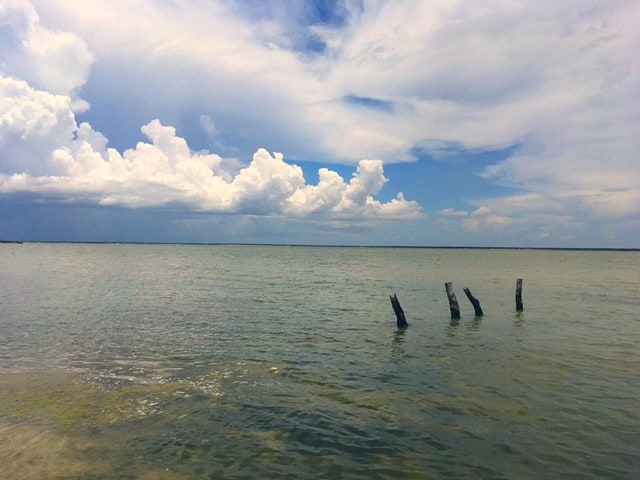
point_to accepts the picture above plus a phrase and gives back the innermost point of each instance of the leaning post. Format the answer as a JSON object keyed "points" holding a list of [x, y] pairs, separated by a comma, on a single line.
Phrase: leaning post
{"points": [[475, 302], [453, 301], [519, 307], [395, 303]]}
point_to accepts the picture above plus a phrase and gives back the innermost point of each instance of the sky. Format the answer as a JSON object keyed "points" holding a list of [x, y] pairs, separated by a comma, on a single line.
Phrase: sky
{"points": [[429, 123]]}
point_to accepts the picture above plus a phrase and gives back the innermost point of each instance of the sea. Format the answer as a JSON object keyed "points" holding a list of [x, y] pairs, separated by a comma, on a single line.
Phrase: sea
{"points": [[152, 361]]}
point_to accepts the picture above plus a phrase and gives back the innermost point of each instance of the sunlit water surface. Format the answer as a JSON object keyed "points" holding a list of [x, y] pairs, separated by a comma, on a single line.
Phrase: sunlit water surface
{"points": [[181, 362]]}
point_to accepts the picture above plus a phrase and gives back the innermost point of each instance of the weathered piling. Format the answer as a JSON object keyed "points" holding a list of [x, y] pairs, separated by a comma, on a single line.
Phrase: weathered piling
{"points": [[475, 302], [395, 303], [519, 307], [453, 301]]}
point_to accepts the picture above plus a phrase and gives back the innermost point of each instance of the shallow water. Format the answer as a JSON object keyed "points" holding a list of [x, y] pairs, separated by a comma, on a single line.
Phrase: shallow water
{"points": [[186, 361]]}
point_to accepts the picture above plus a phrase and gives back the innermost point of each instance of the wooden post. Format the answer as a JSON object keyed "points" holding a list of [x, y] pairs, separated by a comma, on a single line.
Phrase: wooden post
{"points": [[453, 302], [519, 306], [395, 303], [475, 302]]}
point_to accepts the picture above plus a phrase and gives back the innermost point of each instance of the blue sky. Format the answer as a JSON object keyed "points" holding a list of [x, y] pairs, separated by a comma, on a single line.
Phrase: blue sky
{"points": [[326, 122]]}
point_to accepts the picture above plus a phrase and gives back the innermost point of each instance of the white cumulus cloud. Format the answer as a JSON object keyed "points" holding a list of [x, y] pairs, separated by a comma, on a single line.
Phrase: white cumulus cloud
{"points": [[74, 163]]}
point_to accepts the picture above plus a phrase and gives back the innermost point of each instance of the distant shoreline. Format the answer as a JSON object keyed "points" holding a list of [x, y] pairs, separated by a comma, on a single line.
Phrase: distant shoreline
{"points": [[244, 244]]}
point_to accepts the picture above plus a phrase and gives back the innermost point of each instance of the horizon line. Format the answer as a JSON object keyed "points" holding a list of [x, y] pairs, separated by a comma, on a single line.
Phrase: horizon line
{"points": [[318, 245]]}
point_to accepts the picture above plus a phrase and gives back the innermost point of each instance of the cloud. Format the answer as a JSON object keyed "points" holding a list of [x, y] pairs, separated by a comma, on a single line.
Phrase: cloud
{"points": [[481, 219], [355, 199], [479, 76], [481, 212], [484, 218], [76, 165], [531, 216], [32, 124], [620, 203], [57, 62], [450, 212]]}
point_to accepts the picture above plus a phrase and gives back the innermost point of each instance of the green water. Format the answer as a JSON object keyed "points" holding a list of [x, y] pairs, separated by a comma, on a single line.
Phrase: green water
{"points": [[181, 362]]}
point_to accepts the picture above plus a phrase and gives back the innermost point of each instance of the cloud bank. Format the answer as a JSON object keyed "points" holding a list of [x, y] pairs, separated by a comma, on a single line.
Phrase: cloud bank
{"points": [[69, 162]]}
